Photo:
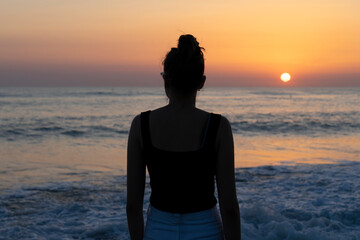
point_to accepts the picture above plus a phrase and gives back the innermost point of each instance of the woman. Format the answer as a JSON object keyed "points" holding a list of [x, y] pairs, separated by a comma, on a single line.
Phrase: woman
{"points": [[184, 148]]}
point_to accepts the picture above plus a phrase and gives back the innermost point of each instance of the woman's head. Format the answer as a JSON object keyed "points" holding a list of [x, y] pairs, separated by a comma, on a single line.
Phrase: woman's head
{"points": [[184, 66]]}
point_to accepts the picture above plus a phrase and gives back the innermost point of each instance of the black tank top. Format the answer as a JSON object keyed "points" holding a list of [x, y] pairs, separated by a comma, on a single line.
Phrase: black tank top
{"points": [[182, 182]]}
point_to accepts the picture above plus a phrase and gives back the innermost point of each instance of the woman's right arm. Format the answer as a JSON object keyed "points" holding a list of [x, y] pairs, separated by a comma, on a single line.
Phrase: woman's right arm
{"points": [[225, 180], [136, 174]]}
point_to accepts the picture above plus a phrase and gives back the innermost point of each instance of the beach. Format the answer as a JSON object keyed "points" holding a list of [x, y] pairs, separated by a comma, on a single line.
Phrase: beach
{"points": [[63, 160]]}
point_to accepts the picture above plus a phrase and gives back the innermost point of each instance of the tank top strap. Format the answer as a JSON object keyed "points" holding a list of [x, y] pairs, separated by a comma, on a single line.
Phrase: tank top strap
{"points": [[145, 128], [211, 131]]}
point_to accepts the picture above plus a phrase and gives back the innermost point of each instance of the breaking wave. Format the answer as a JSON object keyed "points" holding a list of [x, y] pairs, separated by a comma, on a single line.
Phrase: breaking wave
{"points": [[276, 202]]}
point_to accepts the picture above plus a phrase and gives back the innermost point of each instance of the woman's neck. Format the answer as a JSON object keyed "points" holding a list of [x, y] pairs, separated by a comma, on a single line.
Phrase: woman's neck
{"points": [[182, 102]]}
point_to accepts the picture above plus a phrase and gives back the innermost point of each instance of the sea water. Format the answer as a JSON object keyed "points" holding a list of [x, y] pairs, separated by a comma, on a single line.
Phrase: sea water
{"points": [[63, 160]]}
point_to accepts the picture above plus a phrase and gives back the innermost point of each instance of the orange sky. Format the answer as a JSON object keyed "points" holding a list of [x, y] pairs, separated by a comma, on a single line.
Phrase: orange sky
{"points": [[112, 42]]}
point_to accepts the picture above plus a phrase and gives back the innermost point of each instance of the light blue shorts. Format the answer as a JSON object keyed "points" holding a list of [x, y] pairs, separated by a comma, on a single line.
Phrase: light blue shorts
{"points": [[205, 225]]}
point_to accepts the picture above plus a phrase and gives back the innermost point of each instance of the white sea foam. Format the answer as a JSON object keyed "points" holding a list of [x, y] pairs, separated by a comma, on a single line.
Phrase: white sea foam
{"points": [[300, 202], [276, 202]]}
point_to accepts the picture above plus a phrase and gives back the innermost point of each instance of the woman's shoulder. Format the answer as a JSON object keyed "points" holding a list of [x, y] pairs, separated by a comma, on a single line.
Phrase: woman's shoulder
{"points": [[157, 110], [136, 126], [224, 130], [224, 123]]}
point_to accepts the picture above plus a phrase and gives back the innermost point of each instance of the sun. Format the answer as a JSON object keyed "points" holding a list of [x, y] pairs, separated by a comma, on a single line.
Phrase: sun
{"points": [[285, 77]]}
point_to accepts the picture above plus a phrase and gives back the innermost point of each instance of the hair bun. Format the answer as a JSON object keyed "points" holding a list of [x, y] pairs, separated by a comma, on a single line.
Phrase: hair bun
{"points": [[188, 45], [184, 66]]}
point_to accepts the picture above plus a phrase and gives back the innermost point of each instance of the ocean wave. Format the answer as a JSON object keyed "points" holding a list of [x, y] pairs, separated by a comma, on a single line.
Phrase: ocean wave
{"points": [[14, 132], [46, 129], [11, 133], [64, 211], [298, 123], [79, 92], [300, 202], [310, 127], [275, 93], [276, 202], [73, 133], [4, 95], [106, 93], [114, 93], [267, 124]]}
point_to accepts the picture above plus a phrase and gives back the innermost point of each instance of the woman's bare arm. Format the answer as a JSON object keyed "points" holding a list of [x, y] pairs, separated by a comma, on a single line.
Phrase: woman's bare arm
{"points": [[136, 173], [225, 180]]}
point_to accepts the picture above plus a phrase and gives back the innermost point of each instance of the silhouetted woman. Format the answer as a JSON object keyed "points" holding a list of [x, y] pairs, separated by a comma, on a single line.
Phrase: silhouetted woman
{"points": [[184, 148]]}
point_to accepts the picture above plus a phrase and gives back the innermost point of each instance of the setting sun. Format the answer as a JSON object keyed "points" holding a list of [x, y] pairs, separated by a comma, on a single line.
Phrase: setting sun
{"points": [[285, 77]]}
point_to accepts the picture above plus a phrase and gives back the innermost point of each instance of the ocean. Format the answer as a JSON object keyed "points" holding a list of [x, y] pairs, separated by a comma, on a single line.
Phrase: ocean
{"points": [[63, 160]]}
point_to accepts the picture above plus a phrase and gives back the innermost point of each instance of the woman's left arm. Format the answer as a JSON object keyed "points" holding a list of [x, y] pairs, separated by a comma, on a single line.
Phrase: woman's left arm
{"points": [[136, 174]]}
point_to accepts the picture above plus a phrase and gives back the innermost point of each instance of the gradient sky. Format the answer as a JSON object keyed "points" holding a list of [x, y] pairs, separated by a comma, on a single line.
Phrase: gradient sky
{"points": [[122, 43]]}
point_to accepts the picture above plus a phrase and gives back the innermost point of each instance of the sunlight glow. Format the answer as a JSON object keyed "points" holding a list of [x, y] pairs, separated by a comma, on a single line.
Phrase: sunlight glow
{"points": [[285, 77]]}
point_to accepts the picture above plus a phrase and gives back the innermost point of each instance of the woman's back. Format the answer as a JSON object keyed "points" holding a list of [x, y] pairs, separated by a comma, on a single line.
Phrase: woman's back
{"points": [[181, 180], [178, 130]]}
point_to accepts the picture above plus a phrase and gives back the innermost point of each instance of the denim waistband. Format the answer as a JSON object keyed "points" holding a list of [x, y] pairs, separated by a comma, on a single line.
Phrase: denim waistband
{"points": [[199, 217], [197, 225]]}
